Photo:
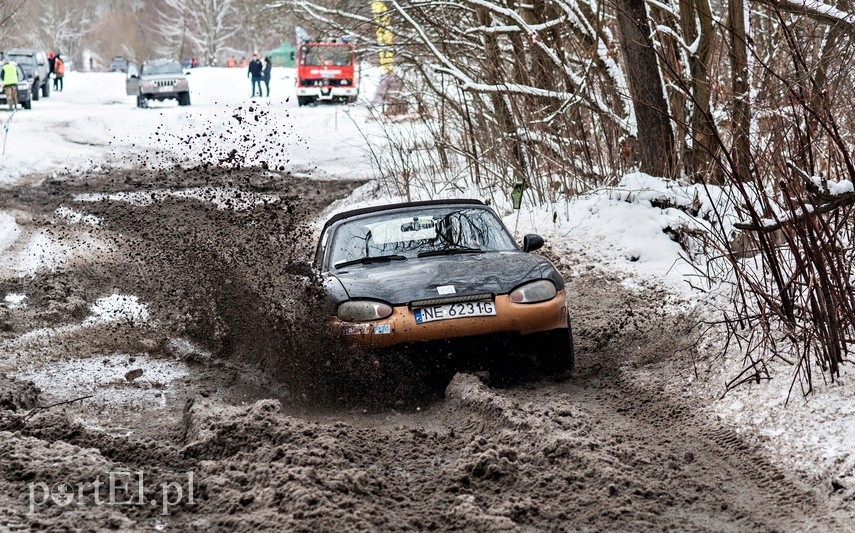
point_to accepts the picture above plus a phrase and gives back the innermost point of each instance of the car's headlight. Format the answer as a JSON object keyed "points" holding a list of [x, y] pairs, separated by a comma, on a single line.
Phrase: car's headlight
{"points": [[532, 292], [363, 310]]}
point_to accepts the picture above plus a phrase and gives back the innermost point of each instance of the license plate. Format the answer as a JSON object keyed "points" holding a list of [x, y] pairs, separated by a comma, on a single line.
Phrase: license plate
{"points": [[164, 89], [457, 310]]}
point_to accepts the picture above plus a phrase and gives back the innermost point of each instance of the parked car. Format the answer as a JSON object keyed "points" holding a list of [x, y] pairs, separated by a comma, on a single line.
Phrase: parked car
{"points": [[35, 63], [119, 64], [443, 272], [159, 79], [25, 94]]}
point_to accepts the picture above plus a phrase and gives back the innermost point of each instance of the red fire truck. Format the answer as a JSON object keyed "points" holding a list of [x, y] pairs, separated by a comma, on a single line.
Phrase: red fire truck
{"points": [[326, 71]]}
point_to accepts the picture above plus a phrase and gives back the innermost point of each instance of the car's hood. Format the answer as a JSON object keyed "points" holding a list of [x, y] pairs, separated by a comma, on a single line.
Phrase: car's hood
{"points": [[399, 282]]}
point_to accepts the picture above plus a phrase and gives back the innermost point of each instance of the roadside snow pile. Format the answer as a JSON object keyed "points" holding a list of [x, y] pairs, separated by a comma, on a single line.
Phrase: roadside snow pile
{"points": [[119, 308]]}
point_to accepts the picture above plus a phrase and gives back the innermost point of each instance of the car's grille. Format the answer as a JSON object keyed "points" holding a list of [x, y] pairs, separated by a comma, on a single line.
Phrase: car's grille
{"points": [[306, 82], [451, 300], [165, 83]]}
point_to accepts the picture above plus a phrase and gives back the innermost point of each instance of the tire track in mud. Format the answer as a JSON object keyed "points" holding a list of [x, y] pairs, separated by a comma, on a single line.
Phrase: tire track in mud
{"points": [[633, 369]]}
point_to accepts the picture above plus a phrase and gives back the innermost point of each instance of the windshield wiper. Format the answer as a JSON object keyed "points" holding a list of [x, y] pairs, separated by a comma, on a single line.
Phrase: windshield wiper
{"points": [[452, 251], [369, 260]]}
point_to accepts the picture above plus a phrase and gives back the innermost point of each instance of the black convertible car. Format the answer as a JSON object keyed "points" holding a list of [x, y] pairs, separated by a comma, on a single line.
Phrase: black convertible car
{"points": [[442, 272]]}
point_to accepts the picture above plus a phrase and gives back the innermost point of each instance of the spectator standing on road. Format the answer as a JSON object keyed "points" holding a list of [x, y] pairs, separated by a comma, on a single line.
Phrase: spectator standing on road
{"points": [[58, 72], [51, 64], [10, 83], [265, 74], [254, 72]]}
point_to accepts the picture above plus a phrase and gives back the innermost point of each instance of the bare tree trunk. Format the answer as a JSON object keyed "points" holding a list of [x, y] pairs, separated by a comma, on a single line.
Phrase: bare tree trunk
{"points": [[701, 159], [741, 128], [655, 137]]}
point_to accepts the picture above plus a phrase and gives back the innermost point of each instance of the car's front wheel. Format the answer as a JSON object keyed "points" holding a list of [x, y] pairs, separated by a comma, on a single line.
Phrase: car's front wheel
{"points": [[28, 103], [304, 100], [35, 90], [141, 101], [46, 88], [556, 351], [184, 98]]}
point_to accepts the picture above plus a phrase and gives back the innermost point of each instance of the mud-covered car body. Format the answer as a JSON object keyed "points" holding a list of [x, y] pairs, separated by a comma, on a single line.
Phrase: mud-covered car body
{"points": [[158, 79], [441, 272], [25, 88]]}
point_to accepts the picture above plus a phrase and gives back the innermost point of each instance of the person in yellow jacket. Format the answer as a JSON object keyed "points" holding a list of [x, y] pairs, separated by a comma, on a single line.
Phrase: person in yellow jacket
{"points": [[10, 83]]}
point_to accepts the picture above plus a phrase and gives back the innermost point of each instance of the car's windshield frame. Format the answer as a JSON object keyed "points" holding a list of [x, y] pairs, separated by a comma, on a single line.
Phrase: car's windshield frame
{"points": [[415, 233]]}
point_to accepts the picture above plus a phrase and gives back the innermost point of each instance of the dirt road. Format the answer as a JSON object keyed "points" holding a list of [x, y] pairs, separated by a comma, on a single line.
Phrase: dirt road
{"points": [[162, 307]]}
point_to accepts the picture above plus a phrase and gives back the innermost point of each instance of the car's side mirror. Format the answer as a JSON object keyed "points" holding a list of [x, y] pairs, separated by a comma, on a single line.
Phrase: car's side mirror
{"points": [[532, 242]]}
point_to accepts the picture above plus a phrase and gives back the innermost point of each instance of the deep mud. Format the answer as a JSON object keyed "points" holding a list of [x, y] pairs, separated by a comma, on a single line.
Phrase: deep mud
{"points": [[186, 344]]}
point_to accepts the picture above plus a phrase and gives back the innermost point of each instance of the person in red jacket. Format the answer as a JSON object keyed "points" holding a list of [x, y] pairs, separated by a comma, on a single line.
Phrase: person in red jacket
{"points": [[58, 73]]}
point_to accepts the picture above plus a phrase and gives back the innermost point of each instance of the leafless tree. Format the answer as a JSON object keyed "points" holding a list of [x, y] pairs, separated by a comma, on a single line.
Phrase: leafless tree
{"points": [[203, 25]]}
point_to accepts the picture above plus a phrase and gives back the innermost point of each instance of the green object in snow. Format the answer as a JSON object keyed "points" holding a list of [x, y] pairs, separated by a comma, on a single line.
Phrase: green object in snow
{"points": [[284, 56], [517, 194]]}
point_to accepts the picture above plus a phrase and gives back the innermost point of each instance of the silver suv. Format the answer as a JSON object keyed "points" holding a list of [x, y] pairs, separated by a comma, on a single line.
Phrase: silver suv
{"points": [[158, 79], [35, 64]]}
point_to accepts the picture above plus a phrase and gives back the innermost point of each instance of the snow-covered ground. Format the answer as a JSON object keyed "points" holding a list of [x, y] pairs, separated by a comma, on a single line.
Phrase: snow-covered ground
{"points": [[93, 124]]}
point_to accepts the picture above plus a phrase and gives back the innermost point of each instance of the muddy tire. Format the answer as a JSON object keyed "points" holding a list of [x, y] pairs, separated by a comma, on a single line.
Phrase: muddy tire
{"points": [[46, 88], [304, 100], [141, 102], [28, 104], [556, 351], [35, 90], [184, 98]]}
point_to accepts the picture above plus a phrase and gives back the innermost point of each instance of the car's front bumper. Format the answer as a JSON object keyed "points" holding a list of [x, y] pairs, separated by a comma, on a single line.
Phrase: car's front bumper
{"points": [[511, 318], [328, 93], [169, 95]]}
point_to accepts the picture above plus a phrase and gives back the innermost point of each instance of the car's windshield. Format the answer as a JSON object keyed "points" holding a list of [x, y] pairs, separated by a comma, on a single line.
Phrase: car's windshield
{"points": [[326, 56], [162, 68], [419, 232], [21, 59]]}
